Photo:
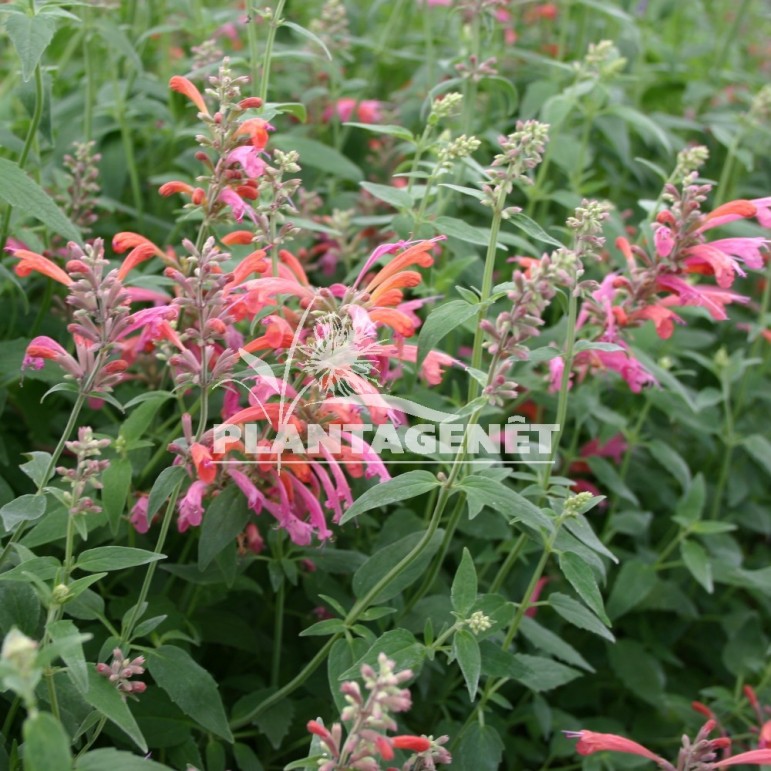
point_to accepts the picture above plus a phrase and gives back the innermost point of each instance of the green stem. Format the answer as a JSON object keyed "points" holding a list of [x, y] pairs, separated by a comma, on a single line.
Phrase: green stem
{"points": [[17, 534], [718, 63], [562, 403], [431, 576], [724, 185], [29, 140], [251, 34], [729, 440], [525, 604], [128, 628], [278, 625], [362, 604], [128, 145], [419, 150], [508, 563], [275, 22], [88, 108], [487, 286]]}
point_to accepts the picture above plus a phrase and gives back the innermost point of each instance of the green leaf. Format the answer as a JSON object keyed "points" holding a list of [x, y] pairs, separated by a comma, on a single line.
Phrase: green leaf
{"points": [[190, 687], [582, 579], [383, 561], [673, 462], [306, 33], [640, 672], [104, 697], [575, 613], [399, 645], [480, 748], [397, 197], [115, 760], [37, 465], [544, 674], [226, 516], [499, 663], [641, 124], [379, 128], [466, 650], [546, 641], [46, 744], [115, 558], [634, 583], [23, 193], [464, 586], [117, 483], [760, 449], [140, 419], [691, 506], [319, 156], [697, 562], [328, 626], [400, 488], [457, 228], [25, 508], [440, 322], [533, 229], [483, 491], [69, 645], [275, 724], [19, 607], [30, 36], [163, 487]]}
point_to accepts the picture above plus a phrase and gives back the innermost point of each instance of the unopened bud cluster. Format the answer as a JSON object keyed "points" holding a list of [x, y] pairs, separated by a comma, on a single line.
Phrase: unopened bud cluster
{"points": [[522, 151], [689, 159], [602, 61], [86, 472], [446, 106], [478, 622], [572, 506], [331, 26], [369, 719], [120, 671], [83, 190]]}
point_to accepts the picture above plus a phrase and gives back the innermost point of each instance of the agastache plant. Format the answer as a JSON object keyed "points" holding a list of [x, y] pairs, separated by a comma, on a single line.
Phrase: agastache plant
{"points": [[369, 719], [699, 754]]}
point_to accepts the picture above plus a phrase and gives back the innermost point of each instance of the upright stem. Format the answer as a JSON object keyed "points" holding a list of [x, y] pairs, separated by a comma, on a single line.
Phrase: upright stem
{"points": [[128, 628], [562, 403], [275, 22], [251, 34], [29, 140], [487, 287]]}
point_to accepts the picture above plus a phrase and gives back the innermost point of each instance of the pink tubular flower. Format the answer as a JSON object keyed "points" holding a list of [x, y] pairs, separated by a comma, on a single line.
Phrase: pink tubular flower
{"points": [[138, 518], [367, 110], [190, 507], [753, 757], [714, 299], [590, 742], [249, 159]]}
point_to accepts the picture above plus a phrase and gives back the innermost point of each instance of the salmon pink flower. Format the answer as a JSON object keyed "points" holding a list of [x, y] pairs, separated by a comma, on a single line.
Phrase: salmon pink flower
{"points": [[590, 742], [32, 262], [202, 460], [184, 86]]}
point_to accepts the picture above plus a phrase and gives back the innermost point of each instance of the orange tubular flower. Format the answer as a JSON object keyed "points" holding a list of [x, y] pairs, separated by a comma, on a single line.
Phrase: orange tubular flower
{"points": [[202, 460], [141, 249], [31, 261], [238, 237], [183, 86], [278, 335], [415, 255], [252, 263], [257, 129], [169, 188]]}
